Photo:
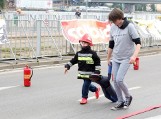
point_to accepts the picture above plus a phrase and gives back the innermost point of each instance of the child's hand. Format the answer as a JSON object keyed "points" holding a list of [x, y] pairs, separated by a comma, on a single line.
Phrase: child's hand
{"points": [[109, 62], [65, 71]]}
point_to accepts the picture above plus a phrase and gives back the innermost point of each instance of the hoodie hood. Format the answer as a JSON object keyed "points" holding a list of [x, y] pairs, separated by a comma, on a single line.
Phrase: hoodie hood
{"points": [[125, 23]]}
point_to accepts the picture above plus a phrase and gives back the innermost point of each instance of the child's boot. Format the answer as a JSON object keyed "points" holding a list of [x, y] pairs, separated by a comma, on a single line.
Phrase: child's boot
{"points": [[97, 93], [83, 101]]}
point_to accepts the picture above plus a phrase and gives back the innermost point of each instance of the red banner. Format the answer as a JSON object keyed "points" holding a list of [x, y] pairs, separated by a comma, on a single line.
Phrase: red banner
{"points": [[73, 30]]}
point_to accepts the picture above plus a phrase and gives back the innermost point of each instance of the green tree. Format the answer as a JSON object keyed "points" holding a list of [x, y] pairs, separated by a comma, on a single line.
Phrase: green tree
{"points": [[117, 5], [1, 4], [138, 7], [153, 7]]}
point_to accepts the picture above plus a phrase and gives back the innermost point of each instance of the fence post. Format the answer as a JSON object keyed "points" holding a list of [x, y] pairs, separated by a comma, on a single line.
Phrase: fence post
{"points": [[38, 28], [58, 24], [0, 52], [16, 19]]}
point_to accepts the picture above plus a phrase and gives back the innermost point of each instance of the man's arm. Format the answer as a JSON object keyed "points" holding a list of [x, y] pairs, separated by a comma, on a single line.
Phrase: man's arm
{"points": [[135, 55], [110, 49]]}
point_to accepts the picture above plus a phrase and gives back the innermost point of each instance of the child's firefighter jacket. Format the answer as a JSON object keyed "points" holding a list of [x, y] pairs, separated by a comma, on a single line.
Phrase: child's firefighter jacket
{"points": [[88, 63]]}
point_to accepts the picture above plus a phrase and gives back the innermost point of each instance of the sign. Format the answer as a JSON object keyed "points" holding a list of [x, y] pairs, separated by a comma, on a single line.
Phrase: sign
{"points": [[73, 30], [3, 34], [34, 4]]}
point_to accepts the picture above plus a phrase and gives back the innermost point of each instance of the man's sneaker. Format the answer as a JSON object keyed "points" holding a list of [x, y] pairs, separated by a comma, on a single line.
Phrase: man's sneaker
{"points": [[127, 102], [119, 105], [97, 93], [83, 101]]}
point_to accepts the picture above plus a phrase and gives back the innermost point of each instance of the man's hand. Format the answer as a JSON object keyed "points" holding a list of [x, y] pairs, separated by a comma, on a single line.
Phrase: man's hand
{"points": [[132, 60]]}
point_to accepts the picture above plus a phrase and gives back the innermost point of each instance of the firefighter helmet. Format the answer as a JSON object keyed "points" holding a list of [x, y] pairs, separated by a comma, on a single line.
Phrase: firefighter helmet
{"points": [[86, 38]]}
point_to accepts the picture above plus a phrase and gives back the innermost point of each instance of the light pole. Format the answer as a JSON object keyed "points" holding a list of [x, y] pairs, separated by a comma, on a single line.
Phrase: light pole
{"points": [[63, 4], [67, 3], [86, 8]]}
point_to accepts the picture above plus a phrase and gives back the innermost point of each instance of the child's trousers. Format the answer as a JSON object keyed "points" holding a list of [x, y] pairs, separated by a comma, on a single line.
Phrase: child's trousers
{"points": [[87, 86]]}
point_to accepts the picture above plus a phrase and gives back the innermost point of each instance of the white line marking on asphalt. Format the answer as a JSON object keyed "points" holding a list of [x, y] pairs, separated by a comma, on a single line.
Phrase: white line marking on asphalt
{"points": [[151, 55], [8, 87], [156, 117], [93, 97], [146, 56], [7, 71], [134, 88]]}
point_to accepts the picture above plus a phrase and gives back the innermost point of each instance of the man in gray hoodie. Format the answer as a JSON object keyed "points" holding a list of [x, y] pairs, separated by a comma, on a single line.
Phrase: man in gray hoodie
{"points": [[123, 52]]}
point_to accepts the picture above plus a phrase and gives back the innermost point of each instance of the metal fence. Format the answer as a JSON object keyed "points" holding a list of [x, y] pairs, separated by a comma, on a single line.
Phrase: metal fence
{"points": [[35, 36], [40, 35]]}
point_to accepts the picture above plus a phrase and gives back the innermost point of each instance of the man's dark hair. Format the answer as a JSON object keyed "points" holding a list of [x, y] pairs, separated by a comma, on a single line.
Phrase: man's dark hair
{"points": [[116, 14]]}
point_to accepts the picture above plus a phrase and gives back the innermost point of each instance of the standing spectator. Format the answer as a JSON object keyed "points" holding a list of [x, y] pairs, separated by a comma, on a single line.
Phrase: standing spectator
{"points": [[78, 14], [123, 36]]}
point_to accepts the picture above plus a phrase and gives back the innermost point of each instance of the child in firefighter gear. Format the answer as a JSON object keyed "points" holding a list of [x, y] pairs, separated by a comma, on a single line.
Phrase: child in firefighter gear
{"points": [[104, 82], [88, 63], [123, 38]]}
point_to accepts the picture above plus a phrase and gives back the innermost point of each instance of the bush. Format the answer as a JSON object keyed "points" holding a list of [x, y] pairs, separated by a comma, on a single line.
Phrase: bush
{"points": [[1, 4]]}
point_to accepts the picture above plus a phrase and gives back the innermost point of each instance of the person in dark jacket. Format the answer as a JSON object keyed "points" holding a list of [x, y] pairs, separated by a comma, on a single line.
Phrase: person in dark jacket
{"points": [[104, 82], [88, 63]]}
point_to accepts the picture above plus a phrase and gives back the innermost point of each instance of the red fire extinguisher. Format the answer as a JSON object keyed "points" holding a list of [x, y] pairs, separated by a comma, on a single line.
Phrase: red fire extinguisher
{"points": [[136, 64], [28, 72]]}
